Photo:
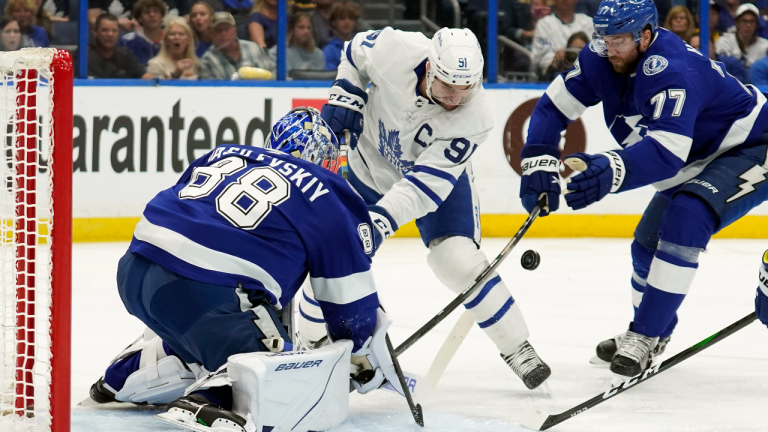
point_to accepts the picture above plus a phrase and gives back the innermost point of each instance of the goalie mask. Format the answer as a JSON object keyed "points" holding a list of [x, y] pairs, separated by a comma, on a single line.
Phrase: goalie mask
{"points": [[455, 67], [302, 133]]}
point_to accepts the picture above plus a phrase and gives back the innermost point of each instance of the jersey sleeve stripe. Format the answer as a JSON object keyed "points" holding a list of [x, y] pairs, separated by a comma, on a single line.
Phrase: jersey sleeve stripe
{"points": [[678, 145], [348, 50], [425, 189], [435, 172], [309, 318], [564, 100], [309, 300], [200, 256], [343, 290]]}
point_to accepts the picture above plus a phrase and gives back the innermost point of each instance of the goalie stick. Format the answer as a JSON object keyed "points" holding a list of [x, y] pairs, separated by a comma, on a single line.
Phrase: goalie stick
{"points": [[538, 420], [479, 280]]}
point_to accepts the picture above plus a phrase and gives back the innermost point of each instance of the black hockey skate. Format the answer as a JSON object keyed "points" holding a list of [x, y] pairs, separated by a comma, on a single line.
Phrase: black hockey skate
{"points": [[197, 413], [100, 393], [634, 355], [606, 349], [528, 366]]}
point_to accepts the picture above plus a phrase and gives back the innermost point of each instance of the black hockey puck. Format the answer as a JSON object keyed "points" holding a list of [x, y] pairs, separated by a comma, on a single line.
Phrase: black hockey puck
{"points": [[530, 260]]}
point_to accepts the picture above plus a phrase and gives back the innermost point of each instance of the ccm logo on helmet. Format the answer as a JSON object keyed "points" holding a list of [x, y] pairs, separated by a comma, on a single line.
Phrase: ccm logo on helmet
{"points": [[462, 76]]}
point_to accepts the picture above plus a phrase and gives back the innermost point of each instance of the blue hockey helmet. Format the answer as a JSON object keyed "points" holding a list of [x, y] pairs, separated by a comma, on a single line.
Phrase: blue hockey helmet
{"points": [[305, 135], [615, 17]]}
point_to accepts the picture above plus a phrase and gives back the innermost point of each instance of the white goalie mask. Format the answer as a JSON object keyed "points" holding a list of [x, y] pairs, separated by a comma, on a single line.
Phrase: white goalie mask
{"points": [[455, 67]]}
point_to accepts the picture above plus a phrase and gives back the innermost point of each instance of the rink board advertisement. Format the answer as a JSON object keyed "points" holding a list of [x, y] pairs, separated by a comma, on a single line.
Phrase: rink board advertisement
{"points": [[132, 142]]}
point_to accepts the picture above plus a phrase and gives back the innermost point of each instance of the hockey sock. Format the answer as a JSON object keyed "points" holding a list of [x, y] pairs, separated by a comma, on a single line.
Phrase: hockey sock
{"points": [[688, 224]]}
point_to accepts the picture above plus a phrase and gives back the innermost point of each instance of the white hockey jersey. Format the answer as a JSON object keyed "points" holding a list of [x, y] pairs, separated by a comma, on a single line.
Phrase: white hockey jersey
{"points": [[551, 35], [411, 151]]}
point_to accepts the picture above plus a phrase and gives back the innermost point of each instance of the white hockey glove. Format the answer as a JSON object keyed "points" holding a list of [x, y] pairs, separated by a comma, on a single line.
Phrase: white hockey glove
{"points": [[372, 365], [384, 226]]}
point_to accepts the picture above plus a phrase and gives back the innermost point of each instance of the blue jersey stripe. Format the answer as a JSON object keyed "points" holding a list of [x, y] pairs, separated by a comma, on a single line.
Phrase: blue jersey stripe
{"points": [[435, 172], [424, 188]]}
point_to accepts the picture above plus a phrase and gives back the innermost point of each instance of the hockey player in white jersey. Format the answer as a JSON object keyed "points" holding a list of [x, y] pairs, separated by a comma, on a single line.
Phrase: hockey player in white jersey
{"points": [[411, 137]]}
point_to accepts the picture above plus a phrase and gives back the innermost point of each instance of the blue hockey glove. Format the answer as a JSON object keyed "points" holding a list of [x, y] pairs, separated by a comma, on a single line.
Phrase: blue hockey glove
{"points": [[541, 174], [383, 225], [344, 109], [761, 301], [600, 174]]}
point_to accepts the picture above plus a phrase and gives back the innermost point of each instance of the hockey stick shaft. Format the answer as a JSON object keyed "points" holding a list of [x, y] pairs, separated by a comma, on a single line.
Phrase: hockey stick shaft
{"points": [[649, 373], [418, 415], [479, 280]]}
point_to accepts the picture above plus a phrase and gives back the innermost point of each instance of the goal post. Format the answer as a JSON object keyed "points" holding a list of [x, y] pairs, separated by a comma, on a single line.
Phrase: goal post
{"points": [[35, 239]]}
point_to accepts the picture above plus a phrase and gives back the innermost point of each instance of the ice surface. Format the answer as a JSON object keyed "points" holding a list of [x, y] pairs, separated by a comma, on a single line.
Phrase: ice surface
{"points": [[577, 297]]}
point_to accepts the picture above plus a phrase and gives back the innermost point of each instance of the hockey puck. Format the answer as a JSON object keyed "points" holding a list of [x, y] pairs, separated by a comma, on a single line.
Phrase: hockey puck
{"points": [[530, 260]]}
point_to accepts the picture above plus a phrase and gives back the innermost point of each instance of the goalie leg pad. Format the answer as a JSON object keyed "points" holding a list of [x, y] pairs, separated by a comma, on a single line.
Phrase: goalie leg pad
{"points": [[295, 391], [160, 378], [456, 261]]}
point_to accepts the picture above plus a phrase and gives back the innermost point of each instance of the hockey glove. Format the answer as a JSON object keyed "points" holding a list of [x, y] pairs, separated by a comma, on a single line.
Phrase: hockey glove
{"points": [[600, 174], [372, 365], [384, 226], [761, 301], [344, 110], [541, 174]]}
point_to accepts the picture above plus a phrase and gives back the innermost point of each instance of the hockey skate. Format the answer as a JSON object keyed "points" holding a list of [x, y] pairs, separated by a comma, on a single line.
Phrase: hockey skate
{"points": [[197, 413], [634, 355], [606, 350], [528, 366]]}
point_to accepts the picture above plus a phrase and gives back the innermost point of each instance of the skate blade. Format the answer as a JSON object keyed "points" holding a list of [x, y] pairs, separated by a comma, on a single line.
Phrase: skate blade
{"points": [[176, 421], [544, 388], [597, 361], [533, 418]]}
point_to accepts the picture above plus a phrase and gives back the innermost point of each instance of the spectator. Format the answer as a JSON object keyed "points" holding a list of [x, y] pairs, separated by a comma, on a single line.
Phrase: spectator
{"points": [[145, 42], [343, 19], [680, 22], [519, 19], [696, 43], [43, 19], [119, 8], [552, 33], [58, 10], [576, 42], [727, 16], [239, 9], [228, 53], [302, 54], [23, 11], [759, 72], [321, 24], [10, 35], [714, 21], [744, 45], [177, 58], [105, 58], [200, 19], [262, 23]]}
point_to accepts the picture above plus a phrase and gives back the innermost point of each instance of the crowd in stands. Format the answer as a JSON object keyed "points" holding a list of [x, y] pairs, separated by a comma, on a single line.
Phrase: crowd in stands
{"points": [[218, 39]]}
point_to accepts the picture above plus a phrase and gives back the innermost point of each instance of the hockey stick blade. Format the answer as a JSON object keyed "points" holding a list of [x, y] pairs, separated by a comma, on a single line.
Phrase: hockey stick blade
{"points": [[449, 348], [479, 280], [418, 415], [538, 420]]}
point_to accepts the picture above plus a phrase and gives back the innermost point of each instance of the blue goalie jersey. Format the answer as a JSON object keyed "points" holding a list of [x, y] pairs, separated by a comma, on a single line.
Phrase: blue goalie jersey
{"points": [[674, 115], [260, 219]]}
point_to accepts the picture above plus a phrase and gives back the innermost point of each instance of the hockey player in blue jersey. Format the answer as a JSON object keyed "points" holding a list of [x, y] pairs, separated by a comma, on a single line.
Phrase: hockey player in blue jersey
{"points": [[216, 260], [761, 299], [685, 127]]}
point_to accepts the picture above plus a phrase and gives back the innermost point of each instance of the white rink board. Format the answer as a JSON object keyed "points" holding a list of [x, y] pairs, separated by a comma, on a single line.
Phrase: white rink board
{"points": [[109, 182]]}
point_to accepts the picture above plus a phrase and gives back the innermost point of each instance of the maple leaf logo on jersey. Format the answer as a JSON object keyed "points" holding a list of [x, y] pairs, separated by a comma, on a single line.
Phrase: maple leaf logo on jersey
{"points": [[389, 147]]}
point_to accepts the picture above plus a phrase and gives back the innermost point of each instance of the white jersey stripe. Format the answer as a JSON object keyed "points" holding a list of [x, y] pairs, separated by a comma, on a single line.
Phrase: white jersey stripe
{"points": [[678, 145], [343, 290], [736, 135], [200, 256], [564, 100]]}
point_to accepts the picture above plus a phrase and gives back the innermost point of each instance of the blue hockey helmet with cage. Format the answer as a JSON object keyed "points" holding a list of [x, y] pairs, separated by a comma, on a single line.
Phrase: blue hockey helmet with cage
{"points": [[305, 135], [615, 17]]}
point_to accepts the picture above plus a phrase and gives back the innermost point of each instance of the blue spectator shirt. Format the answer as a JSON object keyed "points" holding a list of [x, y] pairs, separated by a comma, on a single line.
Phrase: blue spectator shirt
{"points": [[270, 27], [143, 48], [332, 53], [39, 37], [201, 47], [759, 72]]}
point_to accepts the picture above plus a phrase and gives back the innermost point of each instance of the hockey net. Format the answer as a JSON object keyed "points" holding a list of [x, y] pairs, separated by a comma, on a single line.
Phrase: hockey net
{"points": [[35, 239]]}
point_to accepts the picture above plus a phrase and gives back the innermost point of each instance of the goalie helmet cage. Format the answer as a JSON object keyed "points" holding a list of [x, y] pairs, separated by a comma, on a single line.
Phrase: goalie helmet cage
{"points": [[35, 240]]}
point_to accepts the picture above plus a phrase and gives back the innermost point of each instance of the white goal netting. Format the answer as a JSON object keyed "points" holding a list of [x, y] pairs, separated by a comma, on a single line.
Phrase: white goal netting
{"points": [[26, 221]]}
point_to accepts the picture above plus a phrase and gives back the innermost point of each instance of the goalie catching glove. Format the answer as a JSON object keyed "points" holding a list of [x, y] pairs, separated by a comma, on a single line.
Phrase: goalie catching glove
{"points": [[372, 366]]}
